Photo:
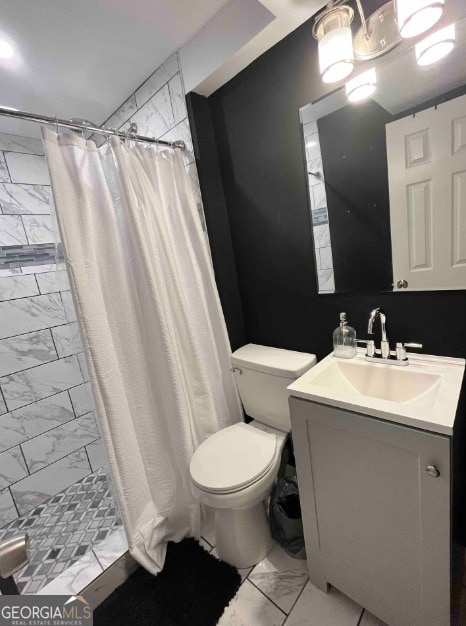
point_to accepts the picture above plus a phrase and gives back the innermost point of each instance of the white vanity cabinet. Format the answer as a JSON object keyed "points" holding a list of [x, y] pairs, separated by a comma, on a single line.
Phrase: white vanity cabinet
{"points": [[377, 517]]}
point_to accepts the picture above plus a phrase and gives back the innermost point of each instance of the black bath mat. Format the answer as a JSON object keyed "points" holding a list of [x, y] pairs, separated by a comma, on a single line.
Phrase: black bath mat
{"points": [[192, 590]]}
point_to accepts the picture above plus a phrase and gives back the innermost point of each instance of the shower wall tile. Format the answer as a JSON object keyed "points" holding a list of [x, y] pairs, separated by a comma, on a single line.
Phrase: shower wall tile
{"points": [[37, 367], [4, 175], [16, 143], [68, 305], [40, 382], [175, 87], [50, 282], [319, 197], [122, 115], [17, 286], [25, 351], [67, 340], [12, 467], [38, 229], [39, 487], [326, 280], [35, 419], [159, 78], [96, 454], [28, 314], [83, 366], [10, 432], [12, 231], [8, 511], [38, 269], [59, 442], [322, 236], [24, 199], [156, 117], [325, 256], [13, 271], [183, 132], [27, 168], [81, 399]]}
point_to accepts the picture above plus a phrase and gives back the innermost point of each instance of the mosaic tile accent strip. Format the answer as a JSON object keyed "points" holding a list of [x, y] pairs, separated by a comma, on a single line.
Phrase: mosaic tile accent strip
{"points": [[319, 216], [13, 256], [63, 530]]}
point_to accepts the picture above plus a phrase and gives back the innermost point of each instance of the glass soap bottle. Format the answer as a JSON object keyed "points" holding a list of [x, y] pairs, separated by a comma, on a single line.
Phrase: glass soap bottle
{"points": [[344, 340]]}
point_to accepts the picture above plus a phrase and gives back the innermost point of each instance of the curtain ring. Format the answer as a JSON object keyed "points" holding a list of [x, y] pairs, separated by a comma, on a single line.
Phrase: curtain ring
{"points": [[133, 131]]}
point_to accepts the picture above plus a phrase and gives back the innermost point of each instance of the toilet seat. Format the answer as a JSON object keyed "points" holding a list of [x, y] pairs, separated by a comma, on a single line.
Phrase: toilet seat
{"points": [[233, 459]]}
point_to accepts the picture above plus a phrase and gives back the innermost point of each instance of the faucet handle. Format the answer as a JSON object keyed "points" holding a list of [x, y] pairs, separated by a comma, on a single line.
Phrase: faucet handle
{"points": [[370, 349], [401, 349]]}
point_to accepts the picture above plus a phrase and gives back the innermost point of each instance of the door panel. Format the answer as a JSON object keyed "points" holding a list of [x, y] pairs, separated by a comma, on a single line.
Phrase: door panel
{"points": [[427, 177], [377, 526]]}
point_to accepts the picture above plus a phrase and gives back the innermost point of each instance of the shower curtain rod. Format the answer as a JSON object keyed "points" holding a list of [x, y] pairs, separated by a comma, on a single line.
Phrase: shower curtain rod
{"points": [[54, 121]]}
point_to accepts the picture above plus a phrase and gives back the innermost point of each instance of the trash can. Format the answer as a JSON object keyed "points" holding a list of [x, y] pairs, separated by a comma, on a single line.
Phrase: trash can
{"points": [[285, 521]]}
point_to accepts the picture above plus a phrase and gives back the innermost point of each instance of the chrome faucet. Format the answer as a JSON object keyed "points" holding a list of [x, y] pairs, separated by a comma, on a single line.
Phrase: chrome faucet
{"points": [[384, 345], [399, 357]]}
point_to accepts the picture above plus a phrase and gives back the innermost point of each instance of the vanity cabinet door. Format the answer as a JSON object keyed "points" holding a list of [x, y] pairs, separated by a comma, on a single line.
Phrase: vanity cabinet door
{"points": [[376, 523]]}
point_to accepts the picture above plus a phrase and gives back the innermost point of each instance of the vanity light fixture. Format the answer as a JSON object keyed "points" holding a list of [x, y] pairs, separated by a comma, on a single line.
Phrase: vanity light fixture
{"points": [[416, 16], [436, 46], [362, 86], [380, 32], [337, 50]]}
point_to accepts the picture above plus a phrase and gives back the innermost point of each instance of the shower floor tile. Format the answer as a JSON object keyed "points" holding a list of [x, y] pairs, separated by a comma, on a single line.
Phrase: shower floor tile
{"points": [[63, 530]]}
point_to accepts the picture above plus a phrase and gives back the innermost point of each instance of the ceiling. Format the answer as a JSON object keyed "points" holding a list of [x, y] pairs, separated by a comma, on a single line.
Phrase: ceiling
{"points": [[83, 58]]}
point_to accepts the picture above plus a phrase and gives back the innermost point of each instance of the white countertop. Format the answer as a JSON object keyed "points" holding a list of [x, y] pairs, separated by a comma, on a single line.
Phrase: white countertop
{"points": [[433, 409]]}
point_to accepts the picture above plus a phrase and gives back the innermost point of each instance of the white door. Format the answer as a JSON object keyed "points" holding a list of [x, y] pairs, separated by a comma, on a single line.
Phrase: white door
{"points": [[426, 156]]}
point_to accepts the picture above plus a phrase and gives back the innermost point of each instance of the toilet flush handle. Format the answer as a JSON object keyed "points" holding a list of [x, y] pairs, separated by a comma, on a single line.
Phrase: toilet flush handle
{"points": [[236, 370]]}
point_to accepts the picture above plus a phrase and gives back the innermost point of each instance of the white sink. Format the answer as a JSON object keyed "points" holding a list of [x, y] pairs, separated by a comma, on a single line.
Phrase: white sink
{"points": [[423, 394]]}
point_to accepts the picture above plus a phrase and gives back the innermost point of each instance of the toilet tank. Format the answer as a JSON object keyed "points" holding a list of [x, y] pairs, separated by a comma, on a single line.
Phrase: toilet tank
{"points": [[263, 375]]}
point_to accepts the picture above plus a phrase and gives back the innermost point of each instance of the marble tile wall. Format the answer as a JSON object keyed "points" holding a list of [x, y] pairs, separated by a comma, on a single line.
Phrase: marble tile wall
{"points": [[48, 435], [319, 214], [158, 108]]}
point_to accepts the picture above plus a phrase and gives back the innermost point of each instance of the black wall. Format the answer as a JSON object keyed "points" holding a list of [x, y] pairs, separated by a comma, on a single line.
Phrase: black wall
{"points": [[257, 131]]}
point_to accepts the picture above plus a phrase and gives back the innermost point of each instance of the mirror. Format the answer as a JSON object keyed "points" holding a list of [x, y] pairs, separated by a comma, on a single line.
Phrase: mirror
{"points": [[387, 176]]}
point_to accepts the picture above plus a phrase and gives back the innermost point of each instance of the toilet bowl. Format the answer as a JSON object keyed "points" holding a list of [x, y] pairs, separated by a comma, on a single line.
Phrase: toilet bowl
{"points": [[234, 470]]}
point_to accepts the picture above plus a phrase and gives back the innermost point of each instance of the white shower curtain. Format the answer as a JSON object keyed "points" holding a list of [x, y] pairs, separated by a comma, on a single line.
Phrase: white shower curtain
{"points": [[151, 325]]}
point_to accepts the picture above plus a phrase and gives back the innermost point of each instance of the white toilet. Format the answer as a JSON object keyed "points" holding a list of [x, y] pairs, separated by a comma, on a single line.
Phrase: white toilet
{"points": [[234, 470]]}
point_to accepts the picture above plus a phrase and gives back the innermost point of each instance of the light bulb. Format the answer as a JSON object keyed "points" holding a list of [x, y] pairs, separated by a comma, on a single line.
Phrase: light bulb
{"points": [[6, 49], [416, 16], [336, 56], [362, 86], [436, 46]]}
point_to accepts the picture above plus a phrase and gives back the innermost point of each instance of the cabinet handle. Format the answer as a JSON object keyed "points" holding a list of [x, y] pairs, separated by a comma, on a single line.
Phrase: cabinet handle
{"points": [[433, 471]]}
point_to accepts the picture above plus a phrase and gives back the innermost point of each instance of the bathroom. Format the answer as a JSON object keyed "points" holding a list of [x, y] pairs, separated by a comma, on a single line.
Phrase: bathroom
{"points": [[272, 223]]}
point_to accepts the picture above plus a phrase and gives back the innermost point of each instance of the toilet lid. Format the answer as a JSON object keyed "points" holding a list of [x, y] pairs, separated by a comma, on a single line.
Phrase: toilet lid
{"points": [[233, 458]]}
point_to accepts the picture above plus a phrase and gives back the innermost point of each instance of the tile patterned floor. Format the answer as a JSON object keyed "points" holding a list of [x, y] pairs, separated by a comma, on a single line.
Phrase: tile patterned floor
{"points": [[277, 592], [63, 530]]}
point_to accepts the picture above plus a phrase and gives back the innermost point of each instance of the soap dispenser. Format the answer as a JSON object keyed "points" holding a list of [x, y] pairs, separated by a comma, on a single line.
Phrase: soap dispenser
{"points": [[344, 340]]}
